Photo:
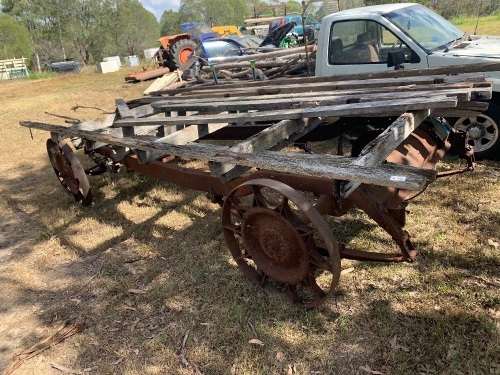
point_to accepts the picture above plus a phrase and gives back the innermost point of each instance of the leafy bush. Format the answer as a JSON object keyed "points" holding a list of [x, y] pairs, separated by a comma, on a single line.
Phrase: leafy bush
{"points": [[15, 39]]}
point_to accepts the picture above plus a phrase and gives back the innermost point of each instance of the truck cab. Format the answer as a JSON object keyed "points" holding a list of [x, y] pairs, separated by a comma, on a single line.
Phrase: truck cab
{"points": [[359, 41]]}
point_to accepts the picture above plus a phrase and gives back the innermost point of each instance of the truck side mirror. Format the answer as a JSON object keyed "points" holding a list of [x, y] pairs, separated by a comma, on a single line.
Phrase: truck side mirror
{"points": [[396, 59]]}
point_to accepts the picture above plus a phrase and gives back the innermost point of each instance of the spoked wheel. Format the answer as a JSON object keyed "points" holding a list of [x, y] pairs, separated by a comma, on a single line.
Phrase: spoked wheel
{"points": [[277, 237], [69, 171]]}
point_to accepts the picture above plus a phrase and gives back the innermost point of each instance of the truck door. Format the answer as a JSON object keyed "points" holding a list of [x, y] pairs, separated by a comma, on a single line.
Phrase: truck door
{"points": [[360, 46]]}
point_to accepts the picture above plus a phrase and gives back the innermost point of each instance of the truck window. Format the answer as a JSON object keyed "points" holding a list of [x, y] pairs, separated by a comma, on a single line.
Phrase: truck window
{"points": [[362, 42]]}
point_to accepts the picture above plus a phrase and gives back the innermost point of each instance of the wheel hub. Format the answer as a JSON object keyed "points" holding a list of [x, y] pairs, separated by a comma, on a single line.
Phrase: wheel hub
{"points": [[275, 245], [476, 131]]}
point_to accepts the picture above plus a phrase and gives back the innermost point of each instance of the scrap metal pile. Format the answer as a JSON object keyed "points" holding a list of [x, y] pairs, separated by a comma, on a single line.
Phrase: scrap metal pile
{"points": [[275, 188]]}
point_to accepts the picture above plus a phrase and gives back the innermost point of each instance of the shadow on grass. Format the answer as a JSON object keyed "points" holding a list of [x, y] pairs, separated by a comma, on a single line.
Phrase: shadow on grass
{"points": [[167, 299]]}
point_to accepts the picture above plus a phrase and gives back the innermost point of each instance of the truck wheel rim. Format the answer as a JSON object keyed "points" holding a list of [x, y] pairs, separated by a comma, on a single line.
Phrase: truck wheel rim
{"points": [[483, 131]]}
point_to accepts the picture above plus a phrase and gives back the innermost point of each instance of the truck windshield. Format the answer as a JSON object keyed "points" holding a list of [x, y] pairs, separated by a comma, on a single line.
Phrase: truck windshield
{"points": [[429, 30]]}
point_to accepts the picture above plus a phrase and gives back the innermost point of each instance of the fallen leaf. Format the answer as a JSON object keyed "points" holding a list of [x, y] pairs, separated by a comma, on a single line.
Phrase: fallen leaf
{"points": [[256, 342], [396, 346], [493, 242], [368, 370], [136, 291], [136, 351], [280, 356], [117, 361], [65, 369]]}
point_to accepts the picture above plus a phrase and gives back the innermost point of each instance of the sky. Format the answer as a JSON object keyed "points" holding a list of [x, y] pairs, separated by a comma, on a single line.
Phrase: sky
{"points": [[157, 7]]}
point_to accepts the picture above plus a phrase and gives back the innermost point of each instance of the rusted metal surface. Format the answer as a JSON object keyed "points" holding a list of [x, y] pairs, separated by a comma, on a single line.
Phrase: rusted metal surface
{"points": [[269, 241], [69, 171]]}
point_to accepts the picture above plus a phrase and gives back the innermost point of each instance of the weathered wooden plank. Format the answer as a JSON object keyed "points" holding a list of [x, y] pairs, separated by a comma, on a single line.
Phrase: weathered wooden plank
{"points": [[263, 104], [262, 141], [465, 109], [97, 124], [389, 74], [190, 133], [301, 164], [305, 90], [312, 123], [325, 85], [261, 56], [122, 109], [145, 110], [181, 137], [477, 93], [378, 109], [375, 152]]}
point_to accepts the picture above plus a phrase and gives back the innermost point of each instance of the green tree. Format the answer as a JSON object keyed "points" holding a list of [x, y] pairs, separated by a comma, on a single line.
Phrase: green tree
{"points": [[14, 39], [215, 12], [134, 27], [293, 6], [31, 14], [170, 22], [89, 27]]}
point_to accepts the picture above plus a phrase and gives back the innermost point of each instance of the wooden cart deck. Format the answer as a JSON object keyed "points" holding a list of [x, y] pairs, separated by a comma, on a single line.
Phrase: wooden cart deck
{"points": [[272, 231], [173, 122]]}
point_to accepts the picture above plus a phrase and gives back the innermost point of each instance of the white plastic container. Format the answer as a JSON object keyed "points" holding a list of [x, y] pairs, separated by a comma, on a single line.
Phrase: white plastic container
{"points": [[107, 67], [131, 60], [149, 53], [113, 58]]}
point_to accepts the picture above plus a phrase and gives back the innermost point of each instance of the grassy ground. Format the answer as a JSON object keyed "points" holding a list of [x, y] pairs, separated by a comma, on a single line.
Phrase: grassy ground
{"points": [[147, 269], [484, 26]]}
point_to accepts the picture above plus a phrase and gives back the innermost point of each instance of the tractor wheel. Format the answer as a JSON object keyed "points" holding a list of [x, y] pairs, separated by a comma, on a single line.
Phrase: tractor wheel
{"points": [[181, 50]]}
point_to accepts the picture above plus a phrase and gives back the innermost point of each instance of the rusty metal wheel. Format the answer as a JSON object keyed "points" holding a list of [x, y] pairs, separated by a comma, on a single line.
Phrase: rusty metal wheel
{"points": [[277, 237], [69, 171]]}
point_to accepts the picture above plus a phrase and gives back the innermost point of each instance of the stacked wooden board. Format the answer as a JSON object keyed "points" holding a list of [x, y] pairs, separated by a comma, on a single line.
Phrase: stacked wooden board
{"points": [[271, 115]]}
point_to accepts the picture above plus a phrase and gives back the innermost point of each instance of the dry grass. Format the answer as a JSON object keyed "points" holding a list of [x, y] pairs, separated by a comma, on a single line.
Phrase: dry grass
{"points": [[147, 267], [484, 26]]}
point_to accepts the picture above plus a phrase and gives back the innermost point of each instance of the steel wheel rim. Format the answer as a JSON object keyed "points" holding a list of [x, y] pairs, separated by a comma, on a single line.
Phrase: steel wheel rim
{"points": [[69, 171], [314, 225]]}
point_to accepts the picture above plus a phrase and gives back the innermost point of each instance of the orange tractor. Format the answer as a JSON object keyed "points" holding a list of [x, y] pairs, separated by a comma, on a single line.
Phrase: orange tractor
{"points": [[174, 50]]}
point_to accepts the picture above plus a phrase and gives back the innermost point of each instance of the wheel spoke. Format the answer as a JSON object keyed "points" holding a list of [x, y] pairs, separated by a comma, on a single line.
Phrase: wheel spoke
{"points": [[318, 261], [236, 229], [307, 232], [315, 288], [242, 256], [489, 136], [259, 200], [237, 208]]}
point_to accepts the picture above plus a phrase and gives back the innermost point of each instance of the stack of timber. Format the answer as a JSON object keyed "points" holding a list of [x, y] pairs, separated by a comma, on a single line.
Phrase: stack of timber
{"points": [[272, 64], [262, 118], [288, 62]]}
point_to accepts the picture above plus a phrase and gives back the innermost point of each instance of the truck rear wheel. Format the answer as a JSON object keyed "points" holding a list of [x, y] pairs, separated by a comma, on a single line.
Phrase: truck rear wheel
{"points": [[484, 132], [181, 50]]}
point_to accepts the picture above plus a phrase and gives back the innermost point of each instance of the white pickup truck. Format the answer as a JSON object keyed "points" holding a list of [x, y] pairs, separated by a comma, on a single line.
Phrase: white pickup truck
{"points": [[359, 40]]}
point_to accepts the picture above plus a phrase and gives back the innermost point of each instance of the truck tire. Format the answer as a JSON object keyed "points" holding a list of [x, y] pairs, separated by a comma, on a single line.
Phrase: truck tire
{"points": [[484, 131], [181, 50]]}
